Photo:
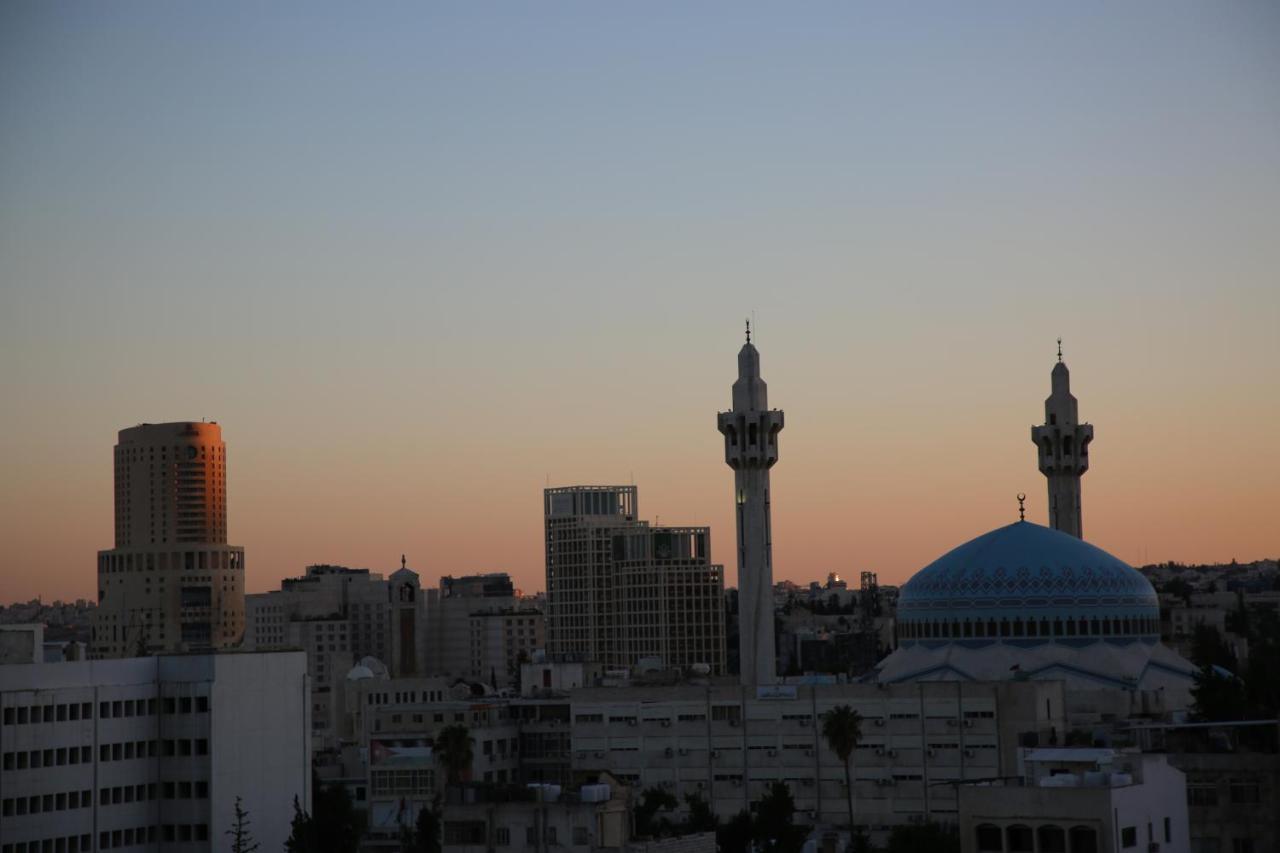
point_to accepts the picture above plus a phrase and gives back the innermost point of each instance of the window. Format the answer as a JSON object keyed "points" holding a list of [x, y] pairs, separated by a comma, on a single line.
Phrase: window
{"points": [[1242, 845], [1245, 792], [1129, 836], [1168, 830], [1202, 795], [580, 835]]}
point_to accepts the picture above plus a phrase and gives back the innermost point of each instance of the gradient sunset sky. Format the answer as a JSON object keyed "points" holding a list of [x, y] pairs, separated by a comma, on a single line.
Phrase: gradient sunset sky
{"points": [[419, 260]]}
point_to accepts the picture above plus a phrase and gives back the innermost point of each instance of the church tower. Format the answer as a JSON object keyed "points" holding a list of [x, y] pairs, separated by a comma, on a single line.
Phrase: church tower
{"points": [[1063, 447], [750, 432]]}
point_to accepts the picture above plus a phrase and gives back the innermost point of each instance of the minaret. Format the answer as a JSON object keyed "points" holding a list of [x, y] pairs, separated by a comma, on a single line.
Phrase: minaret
{"points": [[750, 449], [1063, 445]]}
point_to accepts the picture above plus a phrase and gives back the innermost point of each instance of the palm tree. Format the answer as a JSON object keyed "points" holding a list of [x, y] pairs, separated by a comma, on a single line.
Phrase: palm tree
{"points": [[842, 729], [453, 743]]}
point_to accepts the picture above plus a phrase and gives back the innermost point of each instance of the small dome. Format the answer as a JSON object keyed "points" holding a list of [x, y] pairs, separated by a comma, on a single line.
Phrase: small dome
{"points": [[359, 672], [1025, 582], [371, 665]]}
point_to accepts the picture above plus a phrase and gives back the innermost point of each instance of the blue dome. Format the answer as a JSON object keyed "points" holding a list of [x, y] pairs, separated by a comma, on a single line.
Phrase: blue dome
{"points": [[1027, 583]]}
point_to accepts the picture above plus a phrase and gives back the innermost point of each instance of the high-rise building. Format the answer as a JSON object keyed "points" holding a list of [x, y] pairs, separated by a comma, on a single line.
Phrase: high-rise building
{"points": [[1063, 451], [171, 583], [750, 432], [620, 591], [480, 628]]}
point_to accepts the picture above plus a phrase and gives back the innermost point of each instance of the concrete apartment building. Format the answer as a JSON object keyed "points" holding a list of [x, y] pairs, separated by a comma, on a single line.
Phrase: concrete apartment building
{"points": [[479, 628], [340, 616], [171, 583], [727, 743], [150, 753], [620, 591], [1078, 800]]}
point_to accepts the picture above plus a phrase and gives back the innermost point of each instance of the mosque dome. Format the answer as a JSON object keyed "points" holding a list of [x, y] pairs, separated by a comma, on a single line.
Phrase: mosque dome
{"points": [[1025, 585]]}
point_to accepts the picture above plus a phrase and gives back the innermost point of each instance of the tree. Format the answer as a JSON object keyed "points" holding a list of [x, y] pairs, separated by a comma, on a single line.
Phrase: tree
{"points": [[1218, 696], [775, 830], [241, 838], [453, 743], [1209, 649], [736, 834], [701, 817], [301, 834], [335, 825], [426, 834], [842, 730], [652, 801]]}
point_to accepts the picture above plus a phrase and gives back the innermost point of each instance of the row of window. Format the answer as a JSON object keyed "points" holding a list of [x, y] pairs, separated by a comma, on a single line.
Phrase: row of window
{"points": [[1106, 627], [123, 751], [61, 801], [1241, 792], [22, 715], [63, 844]]}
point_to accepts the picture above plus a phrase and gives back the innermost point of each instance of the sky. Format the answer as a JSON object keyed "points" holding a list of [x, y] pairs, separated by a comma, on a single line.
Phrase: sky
{"points": [[422, 260]]}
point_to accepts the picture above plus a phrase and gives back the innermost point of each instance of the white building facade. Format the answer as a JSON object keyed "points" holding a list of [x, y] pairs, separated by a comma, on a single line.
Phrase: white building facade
{"points": [[151, 753]]}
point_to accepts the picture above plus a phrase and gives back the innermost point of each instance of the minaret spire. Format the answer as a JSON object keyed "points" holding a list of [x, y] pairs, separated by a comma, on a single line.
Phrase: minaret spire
{"points": [[750, 432], [1063, 450]]}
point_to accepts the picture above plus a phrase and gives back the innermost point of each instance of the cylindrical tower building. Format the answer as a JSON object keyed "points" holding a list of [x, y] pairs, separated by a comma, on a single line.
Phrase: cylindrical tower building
{"points": [[171, 583]]}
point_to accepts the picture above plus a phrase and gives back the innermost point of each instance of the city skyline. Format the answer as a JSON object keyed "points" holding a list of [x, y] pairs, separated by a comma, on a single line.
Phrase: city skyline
{"points": [[420, 264]]}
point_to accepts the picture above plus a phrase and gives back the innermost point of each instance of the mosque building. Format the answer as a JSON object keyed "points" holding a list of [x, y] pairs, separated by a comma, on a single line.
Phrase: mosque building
{"points": [[1030, 602]]}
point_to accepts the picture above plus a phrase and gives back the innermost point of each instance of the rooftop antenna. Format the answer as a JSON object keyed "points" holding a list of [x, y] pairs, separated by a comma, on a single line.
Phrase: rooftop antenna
{"points": [[1022, 509], [1059, 349]]}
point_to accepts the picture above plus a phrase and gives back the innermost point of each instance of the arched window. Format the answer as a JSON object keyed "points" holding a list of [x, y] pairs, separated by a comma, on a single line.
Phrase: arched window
{"points": [[989, 838], [979, 629], [991, 628], [1017, 627], [1071, 627], [1004, 627], [1093, 625], [1128, 628], [1084, 839], [968, 628], [1019, 839], [1057, 627], [1031, 627], [1052, 839]]}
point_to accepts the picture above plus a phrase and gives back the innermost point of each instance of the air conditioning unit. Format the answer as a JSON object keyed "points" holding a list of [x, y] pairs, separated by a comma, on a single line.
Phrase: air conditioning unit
{"points": [[968, 724], [879, 750], [737, 783], [772, 753], [879, 721], [668, 752], [804, 724], [968, 753], [893, 753], [683, 751], [581, 754], [929, 752], [808, 753], [953, 722], [666, 724], [715, 753], [599, 755], [806, 782], [631, 722], [813, 815], [733, 724]]}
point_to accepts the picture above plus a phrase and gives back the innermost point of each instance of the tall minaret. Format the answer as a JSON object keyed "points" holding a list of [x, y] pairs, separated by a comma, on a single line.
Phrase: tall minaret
{"points": [[750, 449], [1063, 444]]}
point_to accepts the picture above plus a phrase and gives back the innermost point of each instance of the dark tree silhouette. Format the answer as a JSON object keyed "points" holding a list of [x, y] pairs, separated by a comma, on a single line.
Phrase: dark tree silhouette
{"points": [[241, 838], [453, 745], [842, 730]]}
